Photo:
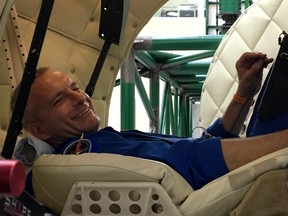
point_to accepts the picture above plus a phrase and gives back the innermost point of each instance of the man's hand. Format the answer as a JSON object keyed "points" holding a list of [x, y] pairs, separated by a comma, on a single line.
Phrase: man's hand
{"points": [[250, 71]]}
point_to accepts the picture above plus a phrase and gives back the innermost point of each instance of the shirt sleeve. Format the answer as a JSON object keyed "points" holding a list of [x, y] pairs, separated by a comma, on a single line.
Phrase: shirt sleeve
{"points": [[217, 130]]}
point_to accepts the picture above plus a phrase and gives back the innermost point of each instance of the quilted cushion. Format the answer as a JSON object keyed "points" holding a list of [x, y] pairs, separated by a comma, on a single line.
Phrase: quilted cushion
{"points": [[72, 45], [257, 29]]}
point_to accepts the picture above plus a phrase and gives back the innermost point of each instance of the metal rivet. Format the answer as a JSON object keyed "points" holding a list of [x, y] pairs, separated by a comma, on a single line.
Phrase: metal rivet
{"points": [[92, 19], [103, 98], [3, 127], [112, 68], [135, 25], [73, 70]]}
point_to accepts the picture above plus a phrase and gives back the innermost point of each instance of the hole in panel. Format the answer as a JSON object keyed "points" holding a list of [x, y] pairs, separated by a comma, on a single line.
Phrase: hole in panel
{"points": [[78, 197], [95, 195], [114, 195], [135, 209], [157, 208], [134, 195], [95, 209], [115, 209], [76, 208], [155, 197]]}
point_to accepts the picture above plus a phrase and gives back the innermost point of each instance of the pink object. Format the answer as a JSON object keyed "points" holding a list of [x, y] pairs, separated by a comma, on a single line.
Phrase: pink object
{"points": [[12, 178]]}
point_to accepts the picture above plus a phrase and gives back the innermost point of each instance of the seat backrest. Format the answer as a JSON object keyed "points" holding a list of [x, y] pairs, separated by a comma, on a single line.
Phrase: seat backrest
{"points": [[72, 45], [257, 29]]}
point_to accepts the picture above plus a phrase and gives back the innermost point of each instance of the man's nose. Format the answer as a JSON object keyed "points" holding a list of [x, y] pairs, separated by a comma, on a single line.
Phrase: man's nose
{"points": [[77, 97]]}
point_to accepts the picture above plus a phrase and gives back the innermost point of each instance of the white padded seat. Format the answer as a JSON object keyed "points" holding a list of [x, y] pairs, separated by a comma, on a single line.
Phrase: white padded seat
{"points": [[72, 45], [53, 175]]}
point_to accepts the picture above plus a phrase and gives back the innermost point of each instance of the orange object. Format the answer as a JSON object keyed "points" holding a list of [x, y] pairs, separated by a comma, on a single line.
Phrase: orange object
{"points": [[239, 99]]}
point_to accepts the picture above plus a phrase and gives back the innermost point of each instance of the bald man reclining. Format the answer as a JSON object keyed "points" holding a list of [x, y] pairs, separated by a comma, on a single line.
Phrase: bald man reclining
{"points": [[61, 114]]}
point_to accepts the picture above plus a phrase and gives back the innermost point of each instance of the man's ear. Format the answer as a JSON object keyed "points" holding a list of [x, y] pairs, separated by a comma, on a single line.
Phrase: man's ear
{"points": [[36, 131]]}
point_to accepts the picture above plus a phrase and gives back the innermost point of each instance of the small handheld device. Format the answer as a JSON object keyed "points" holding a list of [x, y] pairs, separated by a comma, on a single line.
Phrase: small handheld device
{"points": [[275, 97]]}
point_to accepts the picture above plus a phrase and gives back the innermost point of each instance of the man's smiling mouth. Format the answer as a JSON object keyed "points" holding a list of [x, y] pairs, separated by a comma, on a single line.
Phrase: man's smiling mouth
{"points": [[82, 113]]}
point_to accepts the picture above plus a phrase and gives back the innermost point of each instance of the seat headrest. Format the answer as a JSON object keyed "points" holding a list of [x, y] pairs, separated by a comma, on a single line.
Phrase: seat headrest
{"points": [[29, 148]]}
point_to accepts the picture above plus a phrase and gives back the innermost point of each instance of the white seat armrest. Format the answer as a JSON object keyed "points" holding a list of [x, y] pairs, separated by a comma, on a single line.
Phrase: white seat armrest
{"points": [[54, 175]]}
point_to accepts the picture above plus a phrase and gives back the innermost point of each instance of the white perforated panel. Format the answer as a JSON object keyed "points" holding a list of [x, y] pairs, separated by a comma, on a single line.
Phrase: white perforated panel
{"points": [[257, 29]]}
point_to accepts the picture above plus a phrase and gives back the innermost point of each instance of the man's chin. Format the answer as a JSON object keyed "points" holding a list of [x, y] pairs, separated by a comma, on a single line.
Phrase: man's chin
{"points": [[94, 127]]}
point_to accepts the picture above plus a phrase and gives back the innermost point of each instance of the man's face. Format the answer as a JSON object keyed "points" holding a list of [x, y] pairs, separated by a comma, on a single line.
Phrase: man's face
{"points": [[63, 110]]}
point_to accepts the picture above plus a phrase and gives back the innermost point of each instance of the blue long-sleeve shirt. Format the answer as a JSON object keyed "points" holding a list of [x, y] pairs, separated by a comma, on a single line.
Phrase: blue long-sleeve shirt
{"points": [[199, 161]]}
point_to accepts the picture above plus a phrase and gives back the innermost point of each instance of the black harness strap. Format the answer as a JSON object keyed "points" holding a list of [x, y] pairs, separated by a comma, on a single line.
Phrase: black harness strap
{"points": [[15, 125], [98, 67], [113, 14]]}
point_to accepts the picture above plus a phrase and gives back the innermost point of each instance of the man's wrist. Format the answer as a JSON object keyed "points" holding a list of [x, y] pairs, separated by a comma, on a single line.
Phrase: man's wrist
{"points": [[243, 101]]}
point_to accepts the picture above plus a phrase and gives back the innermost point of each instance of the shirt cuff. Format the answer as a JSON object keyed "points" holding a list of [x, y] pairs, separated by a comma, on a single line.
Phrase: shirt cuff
{"points": [[217, 130]]}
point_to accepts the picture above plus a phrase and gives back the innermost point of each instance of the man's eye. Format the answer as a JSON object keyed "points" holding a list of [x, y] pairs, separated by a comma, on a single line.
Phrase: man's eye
{"points": [[76, 88], [56, 102]]}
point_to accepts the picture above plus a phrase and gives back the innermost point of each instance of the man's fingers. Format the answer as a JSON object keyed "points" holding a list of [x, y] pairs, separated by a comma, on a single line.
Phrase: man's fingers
{"points": [[267, 61], [248, 59], [258, 66]]}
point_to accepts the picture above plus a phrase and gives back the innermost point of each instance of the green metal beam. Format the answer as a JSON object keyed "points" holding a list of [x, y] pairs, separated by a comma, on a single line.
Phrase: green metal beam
{"points": [[168, 79], [154, 98], [161, 56], [185, 79], [176, 109], [144, 97], [184, 59], [194, 67], [164, 108], [127, 89], [146, 59], [206, 42]]}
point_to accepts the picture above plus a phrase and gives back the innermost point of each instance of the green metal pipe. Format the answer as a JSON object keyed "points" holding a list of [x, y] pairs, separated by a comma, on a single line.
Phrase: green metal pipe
{"points": [[171, 113], [167, 112], [188, 79], [128, 93], [163, 110], [154, 98], [161, 56], [144, 97], [190, 68], [183, 116], [167, 78], [176, 109], [207, 15], [190, 118], [146, 59], [184, 59], [247, 3], [206, 42], [127, 106], [230, 6], [194, 87]]}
